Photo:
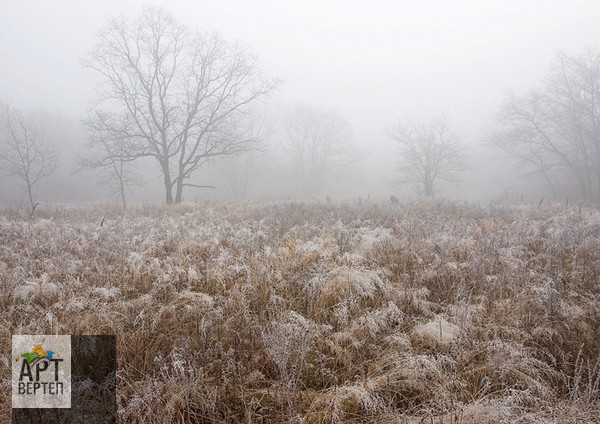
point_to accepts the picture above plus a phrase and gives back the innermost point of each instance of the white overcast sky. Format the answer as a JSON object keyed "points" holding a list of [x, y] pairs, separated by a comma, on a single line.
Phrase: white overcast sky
{"points": [[372, 61]]}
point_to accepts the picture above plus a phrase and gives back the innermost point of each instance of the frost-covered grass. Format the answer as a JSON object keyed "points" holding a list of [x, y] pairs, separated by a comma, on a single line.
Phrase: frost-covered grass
{"points": [[314, 313]]}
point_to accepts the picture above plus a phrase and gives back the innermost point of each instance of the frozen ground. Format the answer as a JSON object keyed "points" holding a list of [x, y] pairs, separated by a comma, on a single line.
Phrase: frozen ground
{"points": [[301, 312]]}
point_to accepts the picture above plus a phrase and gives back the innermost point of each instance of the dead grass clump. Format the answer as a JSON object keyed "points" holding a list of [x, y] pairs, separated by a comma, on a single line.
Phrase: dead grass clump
{"points": [[349, 289], [344, 404], [434, 334]]}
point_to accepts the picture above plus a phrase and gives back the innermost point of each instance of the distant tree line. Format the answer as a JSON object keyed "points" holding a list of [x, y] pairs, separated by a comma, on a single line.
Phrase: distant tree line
{"points": [[184, 99]]}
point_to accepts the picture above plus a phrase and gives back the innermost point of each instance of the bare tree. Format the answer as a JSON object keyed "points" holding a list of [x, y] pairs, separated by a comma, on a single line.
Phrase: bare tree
{"points": [[319, 144], [554, 130], [428, 153], [182, 98], [23, 152], [108, 153]]}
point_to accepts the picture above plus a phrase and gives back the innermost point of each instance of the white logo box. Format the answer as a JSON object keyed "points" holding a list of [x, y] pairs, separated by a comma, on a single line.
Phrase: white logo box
{"points": [[41, 371]]}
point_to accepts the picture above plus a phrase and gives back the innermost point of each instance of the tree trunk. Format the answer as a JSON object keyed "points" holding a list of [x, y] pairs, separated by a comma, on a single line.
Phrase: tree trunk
{"points": [[30, 195], [168, 185], [429, 188], [179, 183], [179, 191], [122, 188]]}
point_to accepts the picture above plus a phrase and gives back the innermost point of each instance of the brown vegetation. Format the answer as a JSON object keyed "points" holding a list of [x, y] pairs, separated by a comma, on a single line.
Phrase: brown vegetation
{"points": [[319, 313]]}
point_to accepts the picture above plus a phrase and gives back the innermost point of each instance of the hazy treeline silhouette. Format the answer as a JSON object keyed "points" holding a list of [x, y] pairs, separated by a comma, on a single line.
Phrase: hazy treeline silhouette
{"points": [[193, 110]]}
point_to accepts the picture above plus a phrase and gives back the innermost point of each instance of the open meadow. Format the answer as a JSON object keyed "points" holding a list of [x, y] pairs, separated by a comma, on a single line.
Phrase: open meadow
{"points": [[430, 312]]}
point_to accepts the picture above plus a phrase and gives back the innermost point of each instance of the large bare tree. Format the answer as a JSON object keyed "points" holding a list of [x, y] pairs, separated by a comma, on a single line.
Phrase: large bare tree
{"points": [[319, 144], [23, 151], [181, 97], [428, 153], [554, 130]]}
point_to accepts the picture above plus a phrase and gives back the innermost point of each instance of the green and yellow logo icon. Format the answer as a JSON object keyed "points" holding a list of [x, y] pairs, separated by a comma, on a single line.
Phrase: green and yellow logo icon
{"points": [[37, 354]]}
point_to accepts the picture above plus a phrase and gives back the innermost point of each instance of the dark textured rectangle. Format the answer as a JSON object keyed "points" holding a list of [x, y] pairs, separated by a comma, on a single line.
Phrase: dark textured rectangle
{"points": [[93, 376]]}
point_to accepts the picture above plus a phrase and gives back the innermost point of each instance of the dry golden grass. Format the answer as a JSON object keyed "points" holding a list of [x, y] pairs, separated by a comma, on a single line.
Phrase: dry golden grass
{"points": [[317, 313]]}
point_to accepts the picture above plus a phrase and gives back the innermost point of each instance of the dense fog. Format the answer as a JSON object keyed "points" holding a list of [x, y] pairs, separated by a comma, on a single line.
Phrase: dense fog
{"points": [[261, 101]]}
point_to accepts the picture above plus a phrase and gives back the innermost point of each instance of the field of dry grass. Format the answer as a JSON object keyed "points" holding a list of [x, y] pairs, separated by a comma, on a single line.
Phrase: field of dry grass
{"points": [[313, 313]]}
